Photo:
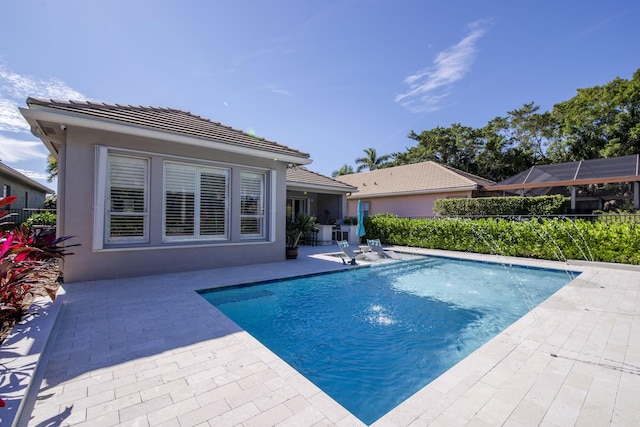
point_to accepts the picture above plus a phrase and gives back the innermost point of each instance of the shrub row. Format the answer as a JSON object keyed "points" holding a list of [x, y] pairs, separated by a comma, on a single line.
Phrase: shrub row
{"points": [[551, 239], [542, 205]]}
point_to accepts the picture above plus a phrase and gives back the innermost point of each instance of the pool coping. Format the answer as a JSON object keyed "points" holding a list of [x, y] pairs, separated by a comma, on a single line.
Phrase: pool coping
{"points": [[475, 384]]}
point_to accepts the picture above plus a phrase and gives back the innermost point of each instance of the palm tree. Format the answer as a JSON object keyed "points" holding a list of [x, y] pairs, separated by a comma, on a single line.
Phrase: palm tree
{"points": [[372, 161], [344, 170], [52, 168]]}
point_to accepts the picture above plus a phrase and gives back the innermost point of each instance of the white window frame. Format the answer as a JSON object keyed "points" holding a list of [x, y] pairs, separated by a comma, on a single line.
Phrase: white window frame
{"points": [[262, 208], [102, 212], [197, 171]]}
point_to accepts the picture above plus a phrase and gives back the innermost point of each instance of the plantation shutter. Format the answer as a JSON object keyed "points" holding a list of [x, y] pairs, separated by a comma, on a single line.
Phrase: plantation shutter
{"points": [[127, 214], [195, 202], [180, 196], [252, 209], [213, 200]]}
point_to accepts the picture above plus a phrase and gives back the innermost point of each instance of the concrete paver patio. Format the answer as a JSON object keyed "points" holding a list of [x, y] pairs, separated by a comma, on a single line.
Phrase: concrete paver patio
{"points": [[150, 351]]}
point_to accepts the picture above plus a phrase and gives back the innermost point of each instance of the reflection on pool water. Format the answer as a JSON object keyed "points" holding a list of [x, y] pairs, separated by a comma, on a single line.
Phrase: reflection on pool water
{"points": [[372, 337]]}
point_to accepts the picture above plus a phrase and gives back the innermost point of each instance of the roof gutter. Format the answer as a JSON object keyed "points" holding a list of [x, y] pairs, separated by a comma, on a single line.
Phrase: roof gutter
{"points": [[326, 188], [416, 192], [38, 113]]}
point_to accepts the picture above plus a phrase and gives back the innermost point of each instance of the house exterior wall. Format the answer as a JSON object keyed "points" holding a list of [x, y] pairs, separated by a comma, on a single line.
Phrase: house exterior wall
{"points": [[416, 205], [28, 197], [78, 185]]}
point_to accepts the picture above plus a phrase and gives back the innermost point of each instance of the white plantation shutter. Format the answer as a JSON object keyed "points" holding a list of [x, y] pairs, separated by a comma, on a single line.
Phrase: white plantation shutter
{"points": [[127, 208], [195, 203], [252, 209], [180, 195], [213, 204]]}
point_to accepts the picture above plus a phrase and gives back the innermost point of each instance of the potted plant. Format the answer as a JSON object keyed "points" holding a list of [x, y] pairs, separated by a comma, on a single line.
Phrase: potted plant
{"points": [[296, 228]]}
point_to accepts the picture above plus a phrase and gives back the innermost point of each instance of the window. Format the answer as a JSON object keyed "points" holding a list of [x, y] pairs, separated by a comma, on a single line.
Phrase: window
{"points": [[365, 209], [6, 190], [252, 200], [127, 208], [195, 202]]}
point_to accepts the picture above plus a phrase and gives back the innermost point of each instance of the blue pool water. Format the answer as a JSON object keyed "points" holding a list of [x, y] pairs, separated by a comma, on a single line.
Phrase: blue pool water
{"points": [[372, 337]]}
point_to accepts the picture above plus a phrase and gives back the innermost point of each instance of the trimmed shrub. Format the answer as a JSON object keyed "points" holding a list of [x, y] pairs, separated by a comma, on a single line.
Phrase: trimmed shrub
{"points": [[542, 205], [551, 239]]}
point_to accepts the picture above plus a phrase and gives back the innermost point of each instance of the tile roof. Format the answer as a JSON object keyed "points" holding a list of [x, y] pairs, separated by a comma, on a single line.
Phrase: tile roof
{"points": [[425, 177], [303, 177], [166, 120]]}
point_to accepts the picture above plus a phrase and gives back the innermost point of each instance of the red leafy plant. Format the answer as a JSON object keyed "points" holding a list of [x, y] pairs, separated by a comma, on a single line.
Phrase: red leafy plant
{"points": [[29, 268]]}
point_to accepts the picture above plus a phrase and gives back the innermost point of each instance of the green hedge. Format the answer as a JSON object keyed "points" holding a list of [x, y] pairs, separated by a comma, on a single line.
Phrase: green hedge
{"points": [[552, 239], [542, 205]]}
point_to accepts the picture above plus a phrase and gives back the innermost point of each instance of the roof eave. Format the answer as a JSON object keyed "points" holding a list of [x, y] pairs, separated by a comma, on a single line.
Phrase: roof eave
{"points": [[324, 188], [39, 113], [415, 192]]}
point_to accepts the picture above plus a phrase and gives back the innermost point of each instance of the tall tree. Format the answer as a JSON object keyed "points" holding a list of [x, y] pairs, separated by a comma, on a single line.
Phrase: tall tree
{"points": [[531, 132], [515, 142], [371, 161], [344, 170], [455, 146], [601, 121]]}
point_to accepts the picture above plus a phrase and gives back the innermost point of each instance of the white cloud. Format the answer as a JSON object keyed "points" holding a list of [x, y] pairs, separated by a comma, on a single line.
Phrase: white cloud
{"points": [[16, 150], [278, 91], [16, 88], [10, 118], [38, 176], [429, 86]]}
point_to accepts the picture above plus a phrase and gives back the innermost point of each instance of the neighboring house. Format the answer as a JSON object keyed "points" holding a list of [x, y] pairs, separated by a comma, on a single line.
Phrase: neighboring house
{"points": [[149, 190], [410, 190], [31, 194], [592, 184]]}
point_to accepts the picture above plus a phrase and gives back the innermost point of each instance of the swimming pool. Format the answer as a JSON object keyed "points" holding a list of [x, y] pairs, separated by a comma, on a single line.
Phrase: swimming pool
{"points": [[372, 337]]}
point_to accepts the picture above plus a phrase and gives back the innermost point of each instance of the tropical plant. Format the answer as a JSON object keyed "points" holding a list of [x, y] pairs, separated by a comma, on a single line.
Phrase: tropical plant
{"points": [[371, 161], [52, 168], [344, 170], [40, 218], [28, 269], [299, 226], [350, 220], [4, 214]]}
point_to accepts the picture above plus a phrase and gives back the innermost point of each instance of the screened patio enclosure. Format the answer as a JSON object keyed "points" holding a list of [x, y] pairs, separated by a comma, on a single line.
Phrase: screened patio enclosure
{"points": [[597, 184]]}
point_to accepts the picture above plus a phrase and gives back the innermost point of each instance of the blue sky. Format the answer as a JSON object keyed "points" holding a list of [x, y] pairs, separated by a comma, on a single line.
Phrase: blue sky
{"points": [[328, 78]]}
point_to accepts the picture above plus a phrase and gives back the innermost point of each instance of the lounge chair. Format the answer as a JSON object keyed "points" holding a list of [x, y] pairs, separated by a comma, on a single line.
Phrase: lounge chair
{"points": [[376, 247], [353, 256]]}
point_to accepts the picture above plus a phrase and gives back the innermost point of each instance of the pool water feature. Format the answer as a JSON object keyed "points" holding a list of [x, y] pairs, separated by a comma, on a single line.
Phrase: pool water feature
{"points": [[372, 337]]}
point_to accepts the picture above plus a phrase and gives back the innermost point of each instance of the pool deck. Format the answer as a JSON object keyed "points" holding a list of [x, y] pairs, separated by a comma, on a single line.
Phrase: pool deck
{"points": [[150, 351]]}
